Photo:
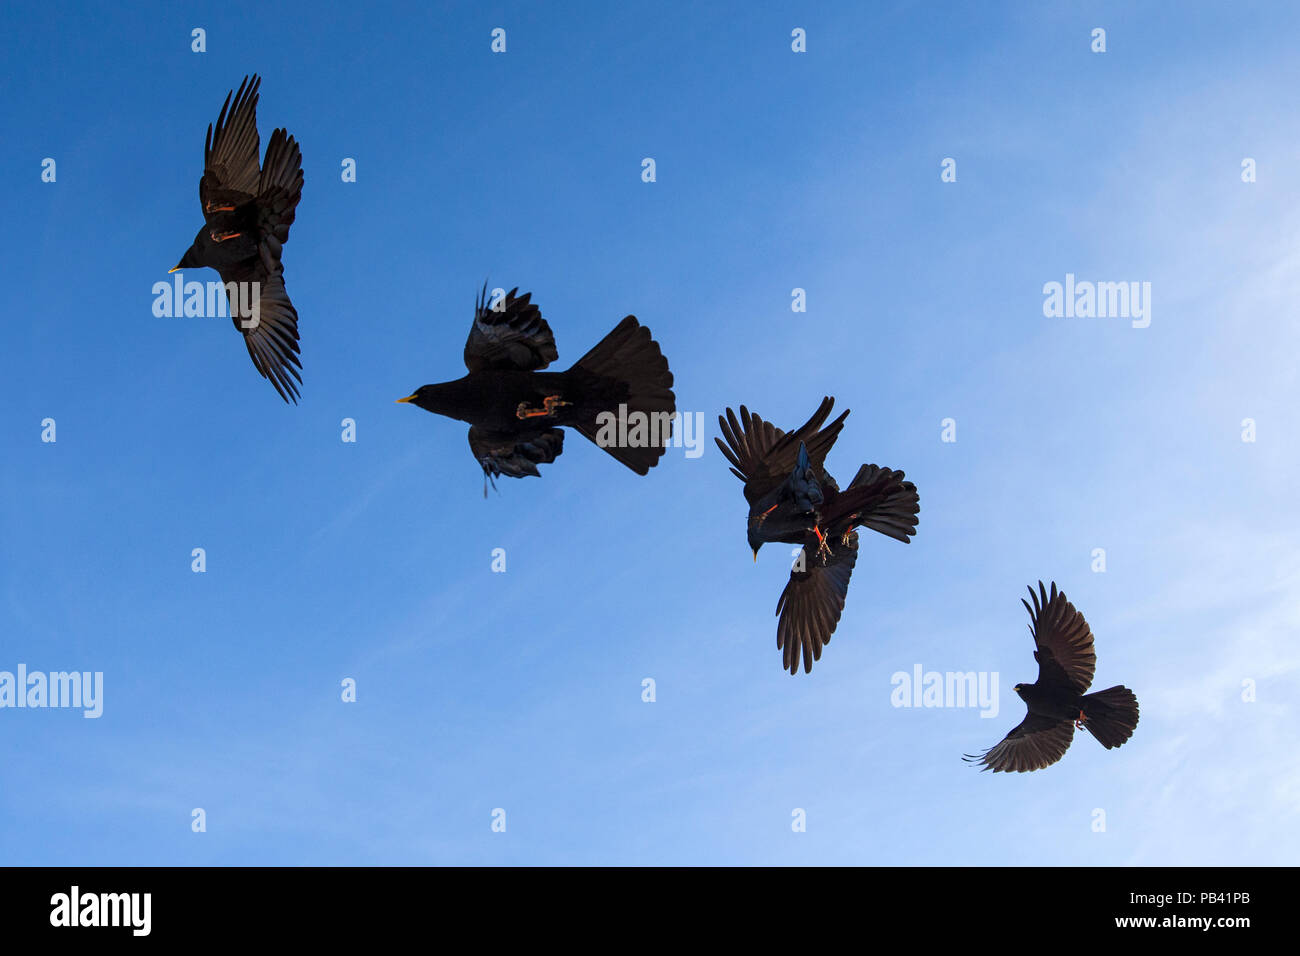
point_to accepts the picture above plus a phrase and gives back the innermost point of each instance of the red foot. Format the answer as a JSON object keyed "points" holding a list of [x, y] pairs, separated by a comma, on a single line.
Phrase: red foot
{"points": [[823, 549], [549, 404], [844, 538], [223, 236]]}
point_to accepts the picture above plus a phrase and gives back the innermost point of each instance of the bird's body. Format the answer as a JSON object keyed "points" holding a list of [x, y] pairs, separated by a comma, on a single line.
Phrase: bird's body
{"points": [[491, 398], [784, 513], [1058, 703], [247, 212], [516, 412], [240, 249], [784, 478], [793, 499], [802, 491], [1052, 703], [833, 514]]}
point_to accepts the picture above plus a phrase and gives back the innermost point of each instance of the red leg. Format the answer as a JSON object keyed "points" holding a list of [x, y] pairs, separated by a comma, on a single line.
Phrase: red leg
{"points": [[844, 538], [823, 549], [549, 404]]}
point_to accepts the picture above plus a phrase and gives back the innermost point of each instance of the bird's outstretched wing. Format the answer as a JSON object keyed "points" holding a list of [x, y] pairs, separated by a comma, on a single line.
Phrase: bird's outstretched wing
{"points": [[811, 604], [279, 189], [515, 454], [1034, 743], [1062, 639], [270, 332], [230, 172], [882, 501], [512, 336], [763, 456]]}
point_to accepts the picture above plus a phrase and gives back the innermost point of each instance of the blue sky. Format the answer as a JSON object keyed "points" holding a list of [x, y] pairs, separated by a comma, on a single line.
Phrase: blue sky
{"points": [[775, 170]]}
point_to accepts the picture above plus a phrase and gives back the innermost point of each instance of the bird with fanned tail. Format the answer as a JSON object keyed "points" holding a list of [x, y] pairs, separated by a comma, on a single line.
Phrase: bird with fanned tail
{"points": [[517, 413], [794, 499], [1058, 702]]}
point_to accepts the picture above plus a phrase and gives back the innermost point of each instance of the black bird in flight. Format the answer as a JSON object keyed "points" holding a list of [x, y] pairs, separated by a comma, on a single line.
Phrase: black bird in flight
{"points": [[619, 395], [247, 213], [793, 499], [1057, 702]]}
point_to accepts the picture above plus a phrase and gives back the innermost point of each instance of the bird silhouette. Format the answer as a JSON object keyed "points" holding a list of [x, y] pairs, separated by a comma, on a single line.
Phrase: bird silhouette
{"points": [[247, 212], [1057, 702], [794, 499], [619, 395]]}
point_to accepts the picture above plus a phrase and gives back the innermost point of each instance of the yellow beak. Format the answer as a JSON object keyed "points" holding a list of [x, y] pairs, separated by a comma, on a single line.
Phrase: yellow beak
{"points": [[409, 398], [756, 556], [174, 269]]}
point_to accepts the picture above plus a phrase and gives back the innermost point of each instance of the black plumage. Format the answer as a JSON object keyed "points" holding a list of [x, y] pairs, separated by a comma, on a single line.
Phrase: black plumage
{"points": [[516, 412], [794, 499], [247, 213], [1058, 702]]}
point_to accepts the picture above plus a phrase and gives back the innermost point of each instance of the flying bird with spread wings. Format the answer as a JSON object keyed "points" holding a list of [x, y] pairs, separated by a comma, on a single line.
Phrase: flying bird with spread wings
{"points": [[1058, 701], [619, 395], [247, 212], [793, 499]]}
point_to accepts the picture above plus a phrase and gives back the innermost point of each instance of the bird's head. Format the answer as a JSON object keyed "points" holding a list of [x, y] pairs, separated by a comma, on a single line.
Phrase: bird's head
{"points": [[444, 398], [426, 397], [414, 397], [191, 258], [1019, 689], [755, 543]]}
